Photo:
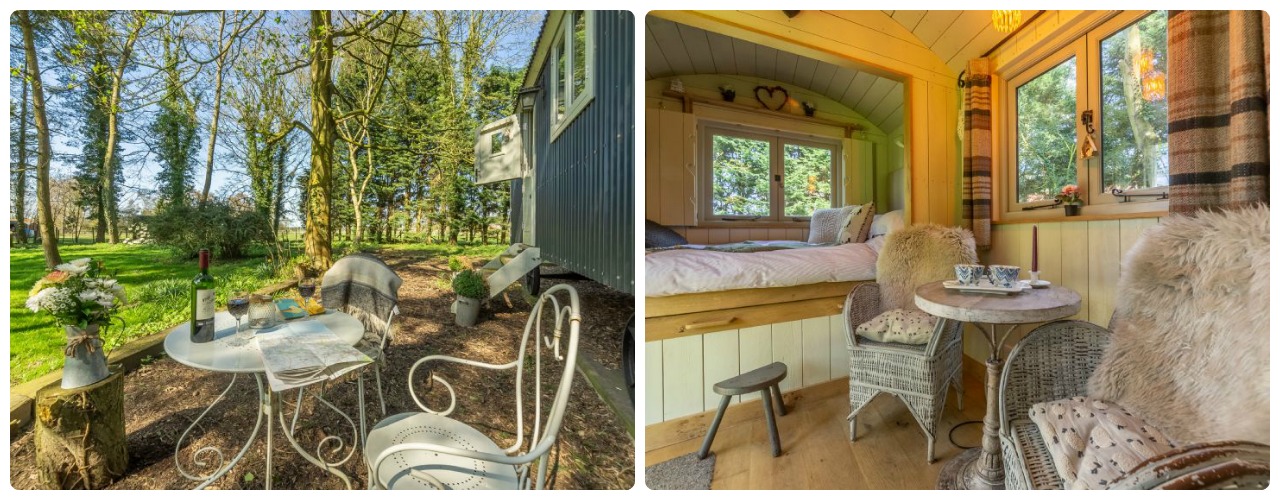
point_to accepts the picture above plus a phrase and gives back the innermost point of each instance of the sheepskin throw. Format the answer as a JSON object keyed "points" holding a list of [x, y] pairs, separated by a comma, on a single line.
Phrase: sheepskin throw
{"points": [[1190, 343], [363, 286], [919, 254], [1094, 442]]}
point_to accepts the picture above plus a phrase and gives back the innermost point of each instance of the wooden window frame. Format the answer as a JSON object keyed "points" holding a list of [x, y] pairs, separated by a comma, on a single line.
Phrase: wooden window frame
{"points": [[777, 140], [1086, 48], [574, 104]]}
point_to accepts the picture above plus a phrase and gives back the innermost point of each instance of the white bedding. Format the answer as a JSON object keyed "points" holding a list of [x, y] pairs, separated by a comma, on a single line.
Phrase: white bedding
{"points": [[675, 272]]}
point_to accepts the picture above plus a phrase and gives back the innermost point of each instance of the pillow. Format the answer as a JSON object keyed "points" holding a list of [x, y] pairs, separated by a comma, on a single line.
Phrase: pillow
{"points": [[659, 236], [826, 223], [887, 223], [1093, 442], [902, 326], [860, 225]]}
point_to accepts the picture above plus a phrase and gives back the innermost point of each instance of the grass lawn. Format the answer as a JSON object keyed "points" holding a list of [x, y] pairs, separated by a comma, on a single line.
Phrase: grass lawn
{"points": [[156, 283], [158, 288]]}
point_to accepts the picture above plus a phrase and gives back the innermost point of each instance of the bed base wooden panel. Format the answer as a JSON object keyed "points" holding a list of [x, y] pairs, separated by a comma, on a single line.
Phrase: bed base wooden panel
{"points": [[694, 314], [731, 299]]}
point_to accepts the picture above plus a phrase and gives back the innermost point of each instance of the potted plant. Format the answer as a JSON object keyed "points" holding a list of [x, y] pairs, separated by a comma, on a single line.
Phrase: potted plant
{"points": [[82, 301], [471, 289], [1070, 199]]}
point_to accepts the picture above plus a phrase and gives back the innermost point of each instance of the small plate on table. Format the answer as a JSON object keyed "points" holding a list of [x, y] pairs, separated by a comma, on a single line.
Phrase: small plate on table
{"points": [[986, 287]]}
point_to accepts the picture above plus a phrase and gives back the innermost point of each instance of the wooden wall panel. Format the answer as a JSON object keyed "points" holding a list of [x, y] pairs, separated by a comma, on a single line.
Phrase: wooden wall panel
{"points": [[680, 372], [755, 349], [652, 172], [653, 382], [1085, 256], [719, 362], [815, 351], [671, 167], [681, 377]]}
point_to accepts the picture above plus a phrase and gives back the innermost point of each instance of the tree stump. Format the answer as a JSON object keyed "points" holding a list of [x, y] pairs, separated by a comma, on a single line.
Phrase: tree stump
{"points": [[79, 435]]}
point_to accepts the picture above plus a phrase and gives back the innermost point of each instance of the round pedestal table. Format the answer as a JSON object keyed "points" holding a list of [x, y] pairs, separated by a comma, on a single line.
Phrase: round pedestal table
{"points": [[982, 468]]}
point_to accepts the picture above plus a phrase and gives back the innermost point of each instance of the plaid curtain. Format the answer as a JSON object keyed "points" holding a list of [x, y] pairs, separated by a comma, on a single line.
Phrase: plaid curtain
{"points": [[1218, 100], [976, 193]]}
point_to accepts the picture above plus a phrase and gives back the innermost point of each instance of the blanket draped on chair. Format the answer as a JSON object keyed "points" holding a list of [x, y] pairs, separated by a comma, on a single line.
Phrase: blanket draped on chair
{"points": [[1191, 333], [976, 191], [1218, 99], [363, 286]]}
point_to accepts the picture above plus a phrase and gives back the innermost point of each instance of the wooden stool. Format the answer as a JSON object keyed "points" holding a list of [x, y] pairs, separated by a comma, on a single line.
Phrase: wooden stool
{"points": [[764, 379]]}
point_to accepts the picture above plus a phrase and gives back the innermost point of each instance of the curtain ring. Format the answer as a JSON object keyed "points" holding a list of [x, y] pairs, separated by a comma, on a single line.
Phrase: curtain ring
{"points": [[960, 79]]}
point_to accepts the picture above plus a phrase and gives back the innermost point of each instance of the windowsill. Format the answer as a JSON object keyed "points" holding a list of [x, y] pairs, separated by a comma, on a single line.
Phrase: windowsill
{"points": [[754, 224], [1100, 211]]}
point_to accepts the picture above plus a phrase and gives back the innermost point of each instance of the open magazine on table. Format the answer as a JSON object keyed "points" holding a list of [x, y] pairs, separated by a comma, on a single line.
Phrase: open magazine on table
{"points": [[300, 353]]}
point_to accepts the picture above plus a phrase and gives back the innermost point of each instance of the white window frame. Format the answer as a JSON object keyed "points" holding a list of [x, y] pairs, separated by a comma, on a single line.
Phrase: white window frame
{"points": [[1086, 48], [777, 140], [574, 104]]}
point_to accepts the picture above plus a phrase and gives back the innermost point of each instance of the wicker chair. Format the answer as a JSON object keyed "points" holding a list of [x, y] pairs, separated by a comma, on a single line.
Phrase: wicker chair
{"points": [[1055, 362], [916, 374]]}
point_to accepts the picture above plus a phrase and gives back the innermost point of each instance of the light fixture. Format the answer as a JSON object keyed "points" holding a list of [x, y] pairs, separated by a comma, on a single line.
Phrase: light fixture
{"points": [[1153, 86], [1006, 21]]}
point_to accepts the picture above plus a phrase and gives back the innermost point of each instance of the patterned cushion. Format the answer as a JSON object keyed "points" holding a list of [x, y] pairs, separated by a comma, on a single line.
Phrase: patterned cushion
{"points": [[859, 227], [902, 326], [827, 223], [1093, 442]]}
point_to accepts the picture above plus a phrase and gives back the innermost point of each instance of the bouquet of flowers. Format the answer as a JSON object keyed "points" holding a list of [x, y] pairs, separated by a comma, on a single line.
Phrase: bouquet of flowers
{"points": [[1070, 195], [76, 294]]}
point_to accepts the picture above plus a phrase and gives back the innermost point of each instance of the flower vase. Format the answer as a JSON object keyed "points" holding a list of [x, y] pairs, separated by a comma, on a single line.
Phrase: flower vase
{"points": [[85, 362], [1072, 209]]}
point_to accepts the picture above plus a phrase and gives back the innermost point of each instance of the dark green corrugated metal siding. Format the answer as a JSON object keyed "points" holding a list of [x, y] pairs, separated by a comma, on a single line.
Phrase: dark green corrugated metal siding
{"points": [[585, 191]]}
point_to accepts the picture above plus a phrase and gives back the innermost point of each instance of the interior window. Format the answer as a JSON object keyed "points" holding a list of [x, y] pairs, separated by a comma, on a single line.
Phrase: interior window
{"points": [[740, 170], [1135, 114], [1046, 135], [768, 175], [807, 184]]}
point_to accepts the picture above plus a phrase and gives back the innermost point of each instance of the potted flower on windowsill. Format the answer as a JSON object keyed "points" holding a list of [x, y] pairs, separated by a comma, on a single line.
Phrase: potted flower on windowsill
{"points": [[82, 301], [471, 289], [1070, 199]]}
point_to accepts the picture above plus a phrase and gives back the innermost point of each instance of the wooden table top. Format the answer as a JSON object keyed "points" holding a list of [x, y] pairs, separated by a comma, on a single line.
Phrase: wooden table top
{"points": [[1036, 305]]}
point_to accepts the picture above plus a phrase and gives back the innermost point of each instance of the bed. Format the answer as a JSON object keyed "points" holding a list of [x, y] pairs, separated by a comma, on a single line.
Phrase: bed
{"points": [[694, 291]]}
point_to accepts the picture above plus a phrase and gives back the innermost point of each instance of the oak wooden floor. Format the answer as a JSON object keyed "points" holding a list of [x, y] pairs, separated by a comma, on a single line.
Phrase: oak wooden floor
{"points": [[817, 454]]}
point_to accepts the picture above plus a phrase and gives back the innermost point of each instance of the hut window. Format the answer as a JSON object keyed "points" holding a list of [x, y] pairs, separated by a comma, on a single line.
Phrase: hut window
{"points": [[759, 175], [573, 63], [1093, 114]]}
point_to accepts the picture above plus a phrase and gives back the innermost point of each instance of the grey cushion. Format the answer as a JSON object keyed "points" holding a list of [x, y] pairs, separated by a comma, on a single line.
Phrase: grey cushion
{"points": [[659, 236]]}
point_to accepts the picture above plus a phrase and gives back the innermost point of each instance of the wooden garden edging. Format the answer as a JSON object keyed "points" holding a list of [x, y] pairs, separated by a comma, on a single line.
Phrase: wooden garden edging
{"points": [[129, 356]]}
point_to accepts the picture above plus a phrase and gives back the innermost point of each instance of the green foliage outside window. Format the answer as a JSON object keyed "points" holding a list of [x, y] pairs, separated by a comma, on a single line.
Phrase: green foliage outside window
{"points": [[807, 180], [1135, 131], [739, 176], [1047, 133]]}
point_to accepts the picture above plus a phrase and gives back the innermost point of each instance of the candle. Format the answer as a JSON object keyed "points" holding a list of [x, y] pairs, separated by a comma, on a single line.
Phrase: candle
{"points": [[1035, 248]]}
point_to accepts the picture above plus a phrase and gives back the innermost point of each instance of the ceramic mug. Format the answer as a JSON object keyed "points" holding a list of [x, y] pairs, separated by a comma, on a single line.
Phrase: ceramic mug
{"points": [[1004, 276], [969, 274]]}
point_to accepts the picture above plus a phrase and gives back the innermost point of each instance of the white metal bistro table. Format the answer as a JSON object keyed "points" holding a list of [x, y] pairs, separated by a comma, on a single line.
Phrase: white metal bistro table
{"points": [[220, 357], [982, 468]]}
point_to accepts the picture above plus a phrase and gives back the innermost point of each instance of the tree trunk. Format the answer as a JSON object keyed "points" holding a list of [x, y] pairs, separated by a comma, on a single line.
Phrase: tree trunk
{"points": [[113, 135], [319, 238], [1144, 134], [20, 188], [80, 436], [44, 205], [217, 111]]}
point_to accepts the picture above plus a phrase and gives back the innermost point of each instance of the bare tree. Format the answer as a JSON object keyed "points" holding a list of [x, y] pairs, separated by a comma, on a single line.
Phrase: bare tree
{"points": [[43, 151]]}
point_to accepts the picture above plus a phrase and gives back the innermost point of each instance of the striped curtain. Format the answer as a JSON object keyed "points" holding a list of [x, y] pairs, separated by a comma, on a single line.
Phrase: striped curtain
{"points": [[1218, 100], [976, 192]]}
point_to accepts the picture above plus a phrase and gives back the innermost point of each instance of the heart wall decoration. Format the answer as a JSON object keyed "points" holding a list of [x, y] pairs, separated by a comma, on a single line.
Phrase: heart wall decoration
{"points": [[768, 98]]}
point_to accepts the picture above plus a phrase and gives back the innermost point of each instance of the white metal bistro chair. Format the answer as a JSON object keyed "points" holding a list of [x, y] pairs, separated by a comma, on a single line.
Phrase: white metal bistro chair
{"points": [[429, 450]]}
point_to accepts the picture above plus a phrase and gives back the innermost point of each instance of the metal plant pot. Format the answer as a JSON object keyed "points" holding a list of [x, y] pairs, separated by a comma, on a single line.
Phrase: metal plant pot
{"points": [[466, 310], [85, 362]]}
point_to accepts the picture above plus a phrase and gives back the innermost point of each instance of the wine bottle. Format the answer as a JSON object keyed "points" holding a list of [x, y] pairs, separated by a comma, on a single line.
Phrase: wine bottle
{"points": [[202, 303]]}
